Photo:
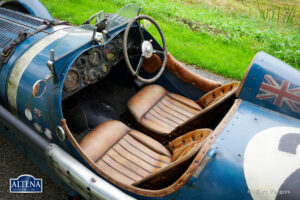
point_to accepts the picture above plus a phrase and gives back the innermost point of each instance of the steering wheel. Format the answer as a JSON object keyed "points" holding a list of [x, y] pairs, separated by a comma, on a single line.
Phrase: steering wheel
{"points": [[146, 49]]}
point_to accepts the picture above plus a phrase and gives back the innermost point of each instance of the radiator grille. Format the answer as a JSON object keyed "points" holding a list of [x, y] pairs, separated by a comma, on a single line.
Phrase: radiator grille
{"points": [[9, 27], [21, 17], [4, 41]]}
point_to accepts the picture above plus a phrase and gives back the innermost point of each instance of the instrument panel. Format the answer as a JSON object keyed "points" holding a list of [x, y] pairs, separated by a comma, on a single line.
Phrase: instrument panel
{"points": [[92, 66]]}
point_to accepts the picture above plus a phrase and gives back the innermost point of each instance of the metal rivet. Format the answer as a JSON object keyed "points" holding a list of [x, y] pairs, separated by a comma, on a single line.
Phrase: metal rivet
{"points": [[93, 180], [60, 133]]}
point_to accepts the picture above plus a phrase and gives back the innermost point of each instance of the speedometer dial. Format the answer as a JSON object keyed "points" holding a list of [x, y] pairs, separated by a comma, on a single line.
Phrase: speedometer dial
{"points": [[81, 62], [72, 81], [95, 57]]}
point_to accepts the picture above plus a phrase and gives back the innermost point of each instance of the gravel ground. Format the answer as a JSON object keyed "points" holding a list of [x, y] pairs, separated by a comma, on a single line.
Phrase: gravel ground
{"points": [[13, 163]]}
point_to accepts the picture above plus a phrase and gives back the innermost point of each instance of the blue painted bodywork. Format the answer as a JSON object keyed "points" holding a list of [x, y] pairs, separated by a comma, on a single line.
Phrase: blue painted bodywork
{"points": [[222, 178], [36, 8], [265, 64]]}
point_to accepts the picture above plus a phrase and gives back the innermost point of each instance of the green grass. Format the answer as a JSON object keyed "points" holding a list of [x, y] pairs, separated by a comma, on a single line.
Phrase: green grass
{"points": [[221, 38]]}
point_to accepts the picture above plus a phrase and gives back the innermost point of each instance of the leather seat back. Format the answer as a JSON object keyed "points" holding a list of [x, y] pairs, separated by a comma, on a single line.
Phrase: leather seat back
{"points": [[183, 148], [215, 104]]}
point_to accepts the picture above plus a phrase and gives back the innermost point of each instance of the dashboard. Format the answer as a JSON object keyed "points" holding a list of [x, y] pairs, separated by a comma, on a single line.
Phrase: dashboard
{"points": [[91, 66]]}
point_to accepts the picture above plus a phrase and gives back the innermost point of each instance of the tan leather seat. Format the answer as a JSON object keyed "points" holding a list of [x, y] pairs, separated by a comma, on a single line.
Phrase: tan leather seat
{"points": [[166, 114], [131, 157]]}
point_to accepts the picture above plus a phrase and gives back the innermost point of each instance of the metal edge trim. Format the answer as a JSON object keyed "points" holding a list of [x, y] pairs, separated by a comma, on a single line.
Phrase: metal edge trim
{"points": [[80, 178]]}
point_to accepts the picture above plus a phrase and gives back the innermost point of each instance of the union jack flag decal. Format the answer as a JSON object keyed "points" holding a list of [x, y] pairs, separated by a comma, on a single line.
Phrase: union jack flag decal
{"points": [[280, 93]]}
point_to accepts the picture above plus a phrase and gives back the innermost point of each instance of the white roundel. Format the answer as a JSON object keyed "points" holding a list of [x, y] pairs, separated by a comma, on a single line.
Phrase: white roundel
{"points": [[270, 158]]}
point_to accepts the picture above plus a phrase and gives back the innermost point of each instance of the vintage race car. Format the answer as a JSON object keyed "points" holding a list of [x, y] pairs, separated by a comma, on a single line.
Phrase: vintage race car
{"points": [[106, 111]]}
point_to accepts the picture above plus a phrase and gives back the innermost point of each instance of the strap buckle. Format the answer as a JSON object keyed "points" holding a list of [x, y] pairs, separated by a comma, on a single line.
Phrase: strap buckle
{"points": [[5, 54]]}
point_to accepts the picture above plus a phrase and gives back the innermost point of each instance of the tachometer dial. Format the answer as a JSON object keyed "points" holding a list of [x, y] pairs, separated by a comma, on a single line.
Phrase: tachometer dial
{"points": [[81, 62], [72, 81], [95, 57], [111, 52]]}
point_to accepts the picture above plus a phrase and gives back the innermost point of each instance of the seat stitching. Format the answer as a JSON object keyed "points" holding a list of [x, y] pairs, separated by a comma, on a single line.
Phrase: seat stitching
{"points": [[175, 110], [112, 146], [131, 161], [118, 170], [124, 166], [143, 151], [139, 157], [163, 110], [185, 103], [166, 122], [158, 123], [140, 140], [165, 117], [159, 106], [179, 106], [153, 105]]}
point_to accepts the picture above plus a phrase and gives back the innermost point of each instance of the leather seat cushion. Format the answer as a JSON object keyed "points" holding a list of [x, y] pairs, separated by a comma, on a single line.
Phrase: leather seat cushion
{"points": [[161, 111], [124, 154]]}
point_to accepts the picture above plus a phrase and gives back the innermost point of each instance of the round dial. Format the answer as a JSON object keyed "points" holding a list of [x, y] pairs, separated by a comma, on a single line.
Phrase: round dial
{"points": [[111, 51], [104, 69], [71, 81], [92, 75], [95, 57], [81, 62]]}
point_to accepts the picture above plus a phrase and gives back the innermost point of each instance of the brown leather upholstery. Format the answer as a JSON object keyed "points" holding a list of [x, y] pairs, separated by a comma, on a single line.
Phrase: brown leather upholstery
{"points": [[152, 64], [125, 154], [160, 110], [167, 114], [215, 95], [129, 156], [184, 144], [183, 150]]}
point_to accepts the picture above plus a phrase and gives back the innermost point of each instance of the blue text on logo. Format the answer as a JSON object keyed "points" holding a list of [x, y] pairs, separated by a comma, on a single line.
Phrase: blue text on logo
{"points": [[26, 184]]}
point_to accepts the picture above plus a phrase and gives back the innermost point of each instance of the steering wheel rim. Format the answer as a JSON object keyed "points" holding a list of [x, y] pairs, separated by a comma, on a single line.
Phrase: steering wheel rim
{"points": [[146, 49]]}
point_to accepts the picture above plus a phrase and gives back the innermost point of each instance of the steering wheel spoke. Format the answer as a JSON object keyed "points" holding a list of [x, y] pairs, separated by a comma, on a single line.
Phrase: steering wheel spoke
{"points": [[140, 32], [146, 49], [159, 52], [139, 66]]}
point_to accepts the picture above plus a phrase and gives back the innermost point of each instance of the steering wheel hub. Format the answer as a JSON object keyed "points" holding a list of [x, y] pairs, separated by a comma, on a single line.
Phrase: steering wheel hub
{"points": [[147, 49]]}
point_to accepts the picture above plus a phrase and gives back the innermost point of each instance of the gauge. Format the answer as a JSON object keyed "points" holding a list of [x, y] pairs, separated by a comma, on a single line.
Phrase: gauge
{"points": [[92, 75], [95, 57], [104, 69], [81, 62], [71, 81], [111, 51]]}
